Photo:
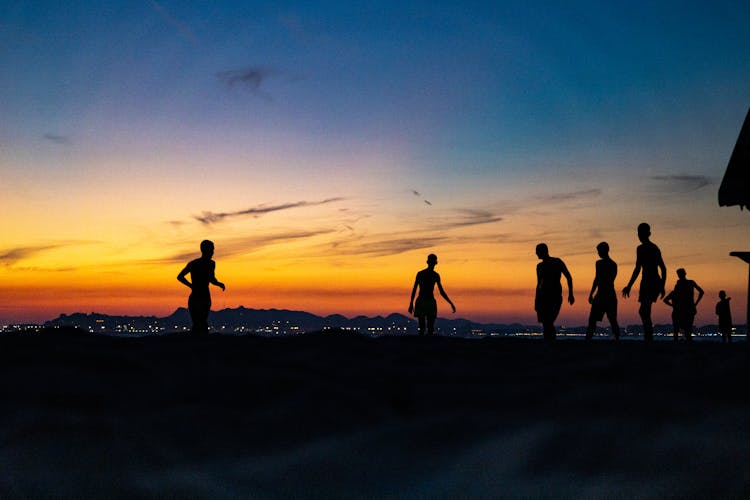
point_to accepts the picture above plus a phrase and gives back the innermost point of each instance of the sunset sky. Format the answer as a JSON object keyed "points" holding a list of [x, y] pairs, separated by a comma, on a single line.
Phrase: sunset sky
{"points": [[328, 147]]}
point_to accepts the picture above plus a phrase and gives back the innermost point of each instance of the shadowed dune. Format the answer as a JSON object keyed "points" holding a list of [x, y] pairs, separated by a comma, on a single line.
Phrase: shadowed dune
{"points": [[326, 415]]}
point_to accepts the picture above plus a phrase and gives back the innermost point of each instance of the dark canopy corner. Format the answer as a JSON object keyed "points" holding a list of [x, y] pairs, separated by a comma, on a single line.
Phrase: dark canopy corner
{"points": [[735, 186]]}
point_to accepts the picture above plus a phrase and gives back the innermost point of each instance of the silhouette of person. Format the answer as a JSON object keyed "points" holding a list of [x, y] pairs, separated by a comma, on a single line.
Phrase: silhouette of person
{"points": [[202, 273], [725, 317], [683, 303], [548, 299], [605, 300], [426, 306], [648, 260]]}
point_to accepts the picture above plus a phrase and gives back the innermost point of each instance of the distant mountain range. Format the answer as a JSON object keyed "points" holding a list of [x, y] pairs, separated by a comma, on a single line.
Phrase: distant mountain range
{"points": [[283, 321]]}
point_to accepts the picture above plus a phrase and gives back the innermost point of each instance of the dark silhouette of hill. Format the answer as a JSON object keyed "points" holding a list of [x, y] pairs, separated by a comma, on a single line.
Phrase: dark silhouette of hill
{"points": [[334, 415], [260, 319]]}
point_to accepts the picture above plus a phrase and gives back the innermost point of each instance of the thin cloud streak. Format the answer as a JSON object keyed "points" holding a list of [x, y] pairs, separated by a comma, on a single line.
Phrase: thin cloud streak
{"points": [[376, 247], [470, 217], [572, 196], [683, 182], [239, 246], [57, 139], [208, 218], [180, 26], [13, 255]]}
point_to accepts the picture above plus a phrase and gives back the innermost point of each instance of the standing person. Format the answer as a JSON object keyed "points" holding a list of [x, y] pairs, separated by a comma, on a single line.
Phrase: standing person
{"points": [[548, 299], [681, 299], [605, 300], [426, 306], [725, 317], [648, 259], [202, 273]]}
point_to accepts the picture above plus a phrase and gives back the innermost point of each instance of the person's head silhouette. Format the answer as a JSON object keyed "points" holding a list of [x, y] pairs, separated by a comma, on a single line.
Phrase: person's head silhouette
{"points": [[644, 232], [722, 294], [602, 249], [432, 260], [542, 251], [681, 273], [207, 249]]}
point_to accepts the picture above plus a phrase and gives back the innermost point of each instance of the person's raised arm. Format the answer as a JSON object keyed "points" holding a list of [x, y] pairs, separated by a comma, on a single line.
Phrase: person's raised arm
{"points": [[181, 277], [444, 295], [413, 293], [569, 279]]}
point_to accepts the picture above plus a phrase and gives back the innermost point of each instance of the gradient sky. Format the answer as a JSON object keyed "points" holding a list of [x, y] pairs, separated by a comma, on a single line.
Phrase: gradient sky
{"points": [[327, 147]]}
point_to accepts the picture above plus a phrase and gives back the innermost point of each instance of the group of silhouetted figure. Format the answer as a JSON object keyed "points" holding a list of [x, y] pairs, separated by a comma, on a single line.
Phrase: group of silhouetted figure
{"points": [[649, 264], [548, 298]]}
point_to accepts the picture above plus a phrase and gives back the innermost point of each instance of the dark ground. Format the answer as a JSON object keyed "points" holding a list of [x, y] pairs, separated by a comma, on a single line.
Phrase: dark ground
{"points": [[336, 415]]}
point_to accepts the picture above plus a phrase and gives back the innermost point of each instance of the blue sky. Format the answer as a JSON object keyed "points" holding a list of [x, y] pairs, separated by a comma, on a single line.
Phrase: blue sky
{"points": [[528, 116]]}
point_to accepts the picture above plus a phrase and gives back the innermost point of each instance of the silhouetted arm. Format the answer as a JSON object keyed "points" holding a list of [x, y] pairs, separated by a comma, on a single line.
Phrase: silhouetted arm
{"points": [[668, 299], [700, 293], [213, 279], [636, 272], [538, 288], [663, 269], [569, 279], [538, 279], [413, 293], [445, 295], [594, 286], [181, 277]]}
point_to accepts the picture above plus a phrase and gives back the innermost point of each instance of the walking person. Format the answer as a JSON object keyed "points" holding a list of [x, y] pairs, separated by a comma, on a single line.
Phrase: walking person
{"points": [[605, 300], [426, 305], [654, 273], [548, 298]]}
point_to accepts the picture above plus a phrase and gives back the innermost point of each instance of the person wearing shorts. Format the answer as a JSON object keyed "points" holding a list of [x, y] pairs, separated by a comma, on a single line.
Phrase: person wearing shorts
{"points": [[548, 298], [425, 308], [605, 300], [654, 274]]}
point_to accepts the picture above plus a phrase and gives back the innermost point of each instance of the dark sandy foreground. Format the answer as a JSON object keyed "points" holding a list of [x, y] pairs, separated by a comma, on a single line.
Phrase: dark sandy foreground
{"points": [[330, 416]]}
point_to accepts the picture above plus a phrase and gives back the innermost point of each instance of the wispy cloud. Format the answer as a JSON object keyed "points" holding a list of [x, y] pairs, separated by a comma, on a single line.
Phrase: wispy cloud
{"points": [[683, 182], [572, 196], [57, 139], [13, 255], [376, 247], [180, 26], [212, 217], [469, 217], [239, 246], [252, 243], [250, 78]]}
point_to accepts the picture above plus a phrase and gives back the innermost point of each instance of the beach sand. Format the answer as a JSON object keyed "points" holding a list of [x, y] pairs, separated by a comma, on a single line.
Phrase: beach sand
{"points": [[340, 415]]}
